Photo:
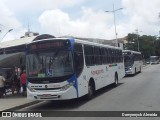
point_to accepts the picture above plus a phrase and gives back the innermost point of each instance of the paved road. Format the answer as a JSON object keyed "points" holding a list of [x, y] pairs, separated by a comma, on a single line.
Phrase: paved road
{"points": [[134, 93]]}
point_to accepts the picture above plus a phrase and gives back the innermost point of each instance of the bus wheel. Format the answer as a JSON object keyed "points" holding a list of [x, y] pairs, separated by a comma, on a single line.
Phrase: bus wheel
{"points": [[116, 80], [91, 90], [135, 71], [140, 70]]}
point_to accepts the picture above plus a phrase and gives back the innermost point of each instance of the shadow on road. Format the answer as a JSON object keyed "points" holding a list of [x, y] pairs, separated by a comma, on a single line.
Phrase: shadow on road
{"points": [[106, 89], [74, 103], [132, 75]]}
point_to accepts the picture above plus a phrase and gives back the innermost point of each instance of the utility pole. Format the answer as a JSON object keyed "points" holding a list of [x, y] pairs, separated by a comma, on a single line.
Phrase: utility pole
{"points": [[113, 11], [6, 33], [137, 38]]}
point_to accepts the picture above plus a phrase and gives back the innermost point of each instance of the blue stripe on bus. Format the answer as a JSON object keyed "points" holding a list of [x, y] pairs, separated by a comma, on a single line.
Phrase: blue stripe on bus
{"points": [[74, 78], [72, 41]]}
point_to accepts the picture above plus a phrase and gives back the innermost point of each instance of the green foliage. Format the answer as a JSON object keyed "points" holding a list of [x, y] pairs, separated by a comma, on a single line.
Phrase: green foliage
{"points": [[146, 44], [157, 47]]}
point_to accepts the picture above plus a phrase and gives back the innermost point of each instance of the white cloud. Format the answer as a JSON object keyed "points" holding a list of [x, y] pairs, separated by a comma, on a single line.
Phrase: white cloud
{"points": [[143, 15], [91, 24], [33, 6], [140, 15], [7, 17], [8, 21], [11, 10]]}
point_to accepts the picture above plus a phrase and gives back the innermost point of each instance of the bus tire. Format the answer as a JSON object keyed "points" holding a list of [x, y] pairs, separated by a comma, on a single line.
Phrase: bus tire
{"points": [[116, 80], [91, 89], [140, 70], [135, 71]]}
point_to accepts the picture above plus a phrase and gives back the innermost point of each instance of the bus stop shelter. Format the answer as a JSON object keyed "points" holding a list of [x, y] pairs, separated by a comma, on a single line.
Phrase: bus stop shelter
{"points": [[12, 60]]}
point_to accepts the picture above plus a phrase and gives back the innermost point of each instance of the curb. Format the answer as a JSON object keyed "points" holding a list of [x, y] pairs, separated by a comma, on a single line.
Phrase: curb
{"points": [[22, 106]]}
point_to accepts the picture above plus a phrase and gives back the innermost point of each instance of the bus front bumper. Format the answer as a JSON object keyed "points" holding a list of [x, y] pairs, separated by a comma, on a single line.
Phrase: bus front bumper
{"points": [[129, 71], [52, 95]]}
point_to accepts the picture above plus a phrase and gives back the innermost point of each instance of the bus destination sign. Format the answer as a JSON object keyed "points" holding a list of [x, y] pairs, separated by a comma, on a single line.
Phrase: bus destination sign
{"points": [[45, 45]]}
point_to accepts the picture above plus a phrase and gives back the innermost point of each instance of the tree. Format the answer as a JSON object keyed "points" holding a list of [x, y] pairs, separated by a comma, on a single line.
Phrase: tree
{"points": [[146, 44], [157, 47], [132, 42]]}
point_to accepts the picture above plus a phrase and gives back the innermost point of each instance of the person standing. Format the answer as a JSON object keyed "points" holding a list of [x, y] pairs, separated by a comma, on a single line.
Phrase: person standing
{"points": [[23, 82], [2, 87], [17, 83]]}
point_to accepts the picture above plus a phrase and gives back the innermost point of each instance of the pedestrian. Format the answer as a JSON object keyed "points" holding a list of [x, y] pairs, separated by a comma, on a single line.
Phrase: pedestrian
{"points": [[23, 82], [2, 87], [17, 83]]}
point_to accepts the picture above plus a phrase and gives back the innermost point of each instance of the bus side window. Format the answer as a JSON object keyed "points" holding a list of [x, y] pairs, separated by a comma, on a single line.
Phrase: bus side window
{"points": [[113, 55], [106, 56], [134, 58], [117, 56], [121, 56], [97, 56], [78, 59], [109, 56], [89, 57], [103, 56]]}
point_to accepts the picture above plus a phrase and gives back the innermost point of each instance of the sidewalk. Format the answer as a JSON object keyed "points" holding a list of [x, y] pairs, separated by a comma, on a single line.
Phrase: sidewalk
{"points": [[16, 101]]}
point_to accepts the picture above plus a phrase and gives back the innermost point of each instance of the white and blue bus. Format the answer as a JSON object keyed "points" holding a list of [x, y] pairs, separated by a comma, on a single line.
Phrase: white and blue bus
{"points": [[63, 68], [154, 60], [132, 61]]}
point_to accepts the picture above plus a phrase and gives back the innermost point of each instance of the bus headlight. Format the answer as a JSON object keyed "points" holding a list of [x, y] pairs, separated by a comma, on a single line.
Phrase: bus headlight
{"points": [[65, 87]]}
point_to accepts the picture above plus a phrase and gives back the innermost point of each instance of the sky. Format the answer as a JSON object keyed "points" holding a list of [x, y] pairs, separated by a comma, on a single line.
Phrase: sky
{"points": [[79, 18]]}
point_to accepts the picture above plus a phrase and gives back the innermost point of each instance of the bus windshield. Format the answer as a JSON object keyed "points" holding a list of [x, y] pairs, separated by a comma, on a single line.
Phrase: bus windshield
{"points": [[154, 58], [128, 61], [53, 63]]}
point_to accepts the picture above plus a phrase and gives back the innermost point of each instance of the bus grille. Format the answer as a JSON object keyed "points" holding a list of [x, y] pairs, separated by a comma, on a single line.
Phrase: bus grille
{"points": [[47, 88]]}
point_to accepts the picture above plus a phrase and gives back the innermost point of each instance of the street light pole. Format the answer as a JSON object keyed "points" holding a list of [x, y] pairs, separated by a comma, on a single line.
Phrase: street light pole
{"points": [[137, 38], [115, 28], [1, 30], [6, 33], [2, 26], [115, 22]]}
